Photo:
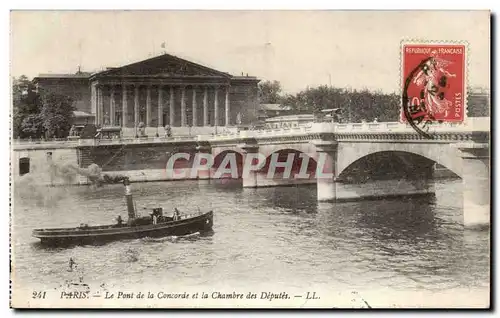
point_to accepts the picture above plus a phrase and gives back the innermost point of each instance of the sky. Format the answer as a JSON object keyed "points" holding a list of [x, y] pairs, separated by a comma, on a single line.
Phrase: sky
{"points": [[357, 49]]}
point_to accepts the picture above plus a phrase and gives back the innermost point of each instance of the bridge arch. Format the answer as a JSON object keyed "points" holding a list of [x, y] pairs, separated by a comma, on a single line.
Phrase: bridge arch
{"points": [[304, 147], [414, 155], [225, 159], [387, 165], [301, 164]]}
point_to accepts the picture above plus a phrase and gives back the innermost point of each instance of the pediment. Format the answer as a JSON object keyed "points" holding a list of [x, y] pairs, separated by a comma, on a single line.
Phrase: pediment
{"points": [[164, 65]]}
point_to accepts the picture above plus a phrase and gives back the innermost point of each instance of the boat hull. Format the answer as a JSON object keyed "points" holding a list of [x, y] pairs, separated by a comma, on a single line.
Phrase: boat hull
{"points": [[99, 235]]}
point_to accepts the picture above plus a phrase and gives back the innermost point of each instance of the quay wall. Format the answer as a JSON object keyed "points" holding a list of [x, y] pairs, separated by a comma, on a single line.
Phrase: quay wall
{"points": [[36, 164]]}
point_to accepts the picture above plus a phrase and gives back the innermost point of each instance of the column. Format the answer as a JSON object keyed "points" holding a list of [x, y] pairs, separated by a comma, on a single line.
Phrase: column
{"points": [[476, 184], [124, 106], [228, 111], [100, 105], [183, 107], [93, 100], [148, 106], [136, 105], [112, 106], [160, 106], [195, 110], [205, 107], [172, 109], [325, 170], [216, 107]]}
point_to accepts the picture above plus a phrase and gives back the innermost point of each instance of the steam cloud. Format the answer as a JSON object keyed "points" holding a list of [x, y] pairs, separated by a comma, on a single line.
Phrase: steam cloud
{"points": [[36, 187]]}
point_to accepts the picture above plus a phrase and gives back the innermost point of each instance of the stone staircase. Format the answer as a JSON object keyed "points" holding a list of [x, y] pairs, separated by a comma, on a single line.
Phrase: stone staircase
{"points": [[85, 157]]}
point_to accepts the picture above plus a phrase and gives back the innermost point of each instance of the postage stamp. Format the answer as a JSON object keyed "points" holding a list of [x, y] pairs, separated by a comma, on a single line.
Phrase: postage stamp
{"points": [[249, 159], [433, 83]]}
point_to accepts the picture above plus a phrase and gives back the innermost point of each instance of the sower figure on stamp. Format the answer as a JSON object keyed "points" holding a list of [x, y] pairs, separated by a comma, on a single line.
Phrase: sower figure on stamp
{"points": [[433, 78]]}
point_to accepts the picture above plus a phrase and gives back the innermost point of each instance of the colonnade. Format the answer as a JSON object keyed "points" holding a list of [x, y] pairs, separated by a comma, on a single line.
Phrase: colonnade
{"points": [[119, 114]]}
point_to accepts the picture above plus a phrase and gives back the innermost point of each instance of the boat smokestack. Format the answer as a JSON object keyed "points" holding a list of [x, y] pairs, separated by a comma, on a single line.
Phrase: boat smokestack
{"points": [[129, 199]]}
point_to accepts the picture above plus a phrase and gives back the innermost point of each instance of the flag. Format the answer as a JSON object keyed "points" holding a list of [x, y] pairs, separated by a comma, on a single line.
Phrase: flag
{"points": [[163, 45]]}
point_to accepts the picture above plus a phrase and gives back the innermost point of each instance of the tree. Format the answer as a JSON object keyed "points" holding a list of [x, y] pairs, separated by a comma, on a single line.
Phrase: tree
{"points": [[25, 102], [32, 126], [17, 121], [57, 115], [269, 92], [478, 102], [356, 105], [313, 100]]}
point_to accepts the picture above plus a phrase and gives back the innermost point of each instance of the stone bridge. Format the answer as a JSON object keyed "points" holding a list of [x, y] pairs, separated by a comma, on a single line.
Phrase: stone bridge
{"points": [[391, 159], [363, 160]]}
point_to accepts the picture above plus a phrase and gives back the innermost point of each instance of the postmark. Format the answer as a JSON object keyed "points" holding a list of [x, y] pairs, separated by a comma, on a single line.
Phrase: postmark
{"points": [[433, 84]]}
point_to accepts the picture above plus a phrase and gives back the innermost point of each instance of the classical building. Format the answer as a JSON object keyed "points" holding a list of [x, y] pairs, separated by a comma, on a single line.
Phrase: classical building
{"points": [[163, 90]]}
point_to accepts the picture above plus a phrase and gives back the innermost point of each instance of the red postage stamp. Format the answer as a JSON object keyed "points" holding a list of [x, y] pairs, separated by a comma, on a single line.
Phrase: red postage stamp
{"points": [[434, 83]]}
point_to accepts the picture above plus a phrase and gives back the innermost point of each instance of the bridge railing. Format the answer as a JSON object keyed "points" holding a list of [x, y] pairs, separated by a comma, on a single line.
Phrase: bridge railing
{"points": [[44, 141], [368, 127], [300, 130], [471, 124], [95, 142], [136, 140]]}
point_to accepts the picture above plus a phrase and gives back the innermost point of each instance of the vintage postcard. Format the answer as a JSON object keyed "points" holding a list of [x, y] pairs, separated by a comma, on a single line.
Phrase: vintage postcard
{"points": [[250, 159]]}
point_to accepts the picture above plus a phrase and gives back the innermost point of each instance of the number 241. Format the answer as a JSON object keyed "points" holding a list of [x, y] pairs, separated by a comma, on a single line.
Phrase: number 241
{"points": [[39, 295]]}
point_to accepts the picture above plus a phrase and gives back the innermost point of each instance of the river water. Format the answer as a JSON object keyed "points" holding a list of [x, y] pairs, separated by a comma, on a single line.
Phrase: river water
{"points": [[265, 238]]}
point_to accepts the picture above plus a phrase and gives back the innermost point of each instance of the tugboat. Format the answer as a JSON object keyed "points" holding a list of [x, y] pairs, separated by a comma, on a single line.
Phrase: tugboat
{"points": [[155, 225]]}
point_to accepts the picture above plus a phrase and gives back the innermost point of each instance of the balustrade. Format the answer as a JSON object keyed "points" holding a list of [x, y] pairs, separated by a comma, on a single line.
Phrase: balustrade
{"points": [[481, 125]]}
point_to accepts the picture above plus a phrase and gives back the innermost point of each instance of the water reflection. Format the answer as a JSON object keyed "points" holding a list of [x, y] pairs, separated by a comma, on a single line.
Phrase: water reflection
{"points": [[276, 235], [292, 200], [408, 218]]}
